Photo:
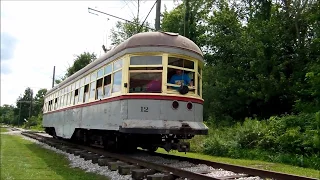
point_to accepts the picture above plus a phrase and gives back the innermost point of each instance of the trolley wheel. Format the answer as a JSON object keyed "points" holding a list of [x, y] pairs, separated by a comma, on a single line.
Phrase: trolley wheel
{"points": [[152, 148]]}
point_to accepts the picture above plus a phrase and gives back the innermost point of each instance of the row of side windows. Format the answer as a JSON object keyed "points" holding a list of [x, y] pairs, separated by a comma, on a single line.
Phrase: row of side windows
{"points": [[88, 88], [145, 76]]}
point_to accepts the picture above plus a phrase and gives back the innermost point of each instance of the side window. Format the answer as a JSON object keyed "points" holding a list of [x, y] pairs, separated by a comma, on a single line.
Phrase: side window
{"points": [[60, 103], [117, 81], [150, 81], [117, 76], [99, 88], [145, 74], [199, 85], [100, 73], [86, 93], [117, 65], [93, 90], [55, 103], [87, 81], [108, 69], [107, 85], [81, 94], [76, 96], [107, 81], [68, 99]]}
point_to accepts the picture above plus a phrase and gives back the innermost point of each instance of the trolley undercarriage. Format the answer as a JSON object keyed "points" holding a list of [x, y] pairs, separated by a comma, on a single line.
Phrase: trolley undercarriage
{"points": [[118, 141]]}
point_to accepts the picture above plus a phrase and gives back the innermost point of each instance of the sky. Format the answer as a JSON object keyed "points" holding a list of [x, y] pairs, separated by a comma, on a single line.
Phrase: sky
{"points": [[38, 35]]}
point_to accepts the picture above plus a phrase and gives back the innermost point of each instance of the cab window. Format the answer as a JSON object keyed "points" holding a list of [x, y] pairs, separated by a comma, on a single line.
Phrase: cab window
{"points": [[145, 74], [180, 72]]}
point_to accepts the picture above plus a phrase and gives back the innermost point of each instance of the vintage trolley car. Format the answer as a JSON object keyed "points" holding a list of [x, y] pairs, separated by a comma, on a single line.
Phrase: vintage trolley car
{"points": [[146, 92]]}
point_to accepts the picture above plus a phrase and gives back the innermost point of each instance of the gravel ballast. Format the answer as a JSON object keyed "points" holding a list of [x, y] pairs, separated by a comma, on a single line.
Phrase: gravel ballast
{"points": [[88, 166]]}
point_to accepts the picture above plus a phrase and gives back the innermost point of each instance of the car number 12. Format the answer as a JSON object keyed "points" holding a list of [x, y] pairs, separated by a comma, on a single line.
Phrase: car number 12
{"points": [[144, 109]]}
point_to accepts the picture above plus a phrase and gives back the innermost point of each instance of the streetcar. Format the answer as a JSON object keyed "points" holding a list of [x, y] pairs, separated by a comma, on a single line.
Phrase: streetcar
{"points": [[146, 92]]}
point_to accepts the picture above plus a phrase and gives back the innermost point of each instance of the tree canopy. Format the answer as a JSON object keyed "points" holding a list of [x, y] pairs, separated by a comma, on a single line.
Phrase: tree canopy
{"points": [[262, 57], [125, 30], [79, 62]]}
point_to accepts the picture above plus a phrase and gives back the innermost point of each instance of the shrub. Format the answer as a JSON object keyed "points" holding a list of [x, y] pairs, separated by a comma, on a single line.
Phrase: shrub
{"points": [[291, 139]]}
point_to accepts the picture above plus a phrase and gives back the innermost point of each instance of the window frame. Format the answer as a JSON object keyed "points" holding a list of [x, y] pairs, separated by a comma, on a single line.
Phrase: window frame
{"points": [[146, 71]]}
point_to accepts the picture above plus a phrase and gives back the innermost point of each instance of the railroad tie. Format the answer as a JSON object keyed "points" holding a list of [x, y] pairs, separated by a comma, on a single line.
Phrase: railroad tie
{"points": [[139, 174], [126, 169]]}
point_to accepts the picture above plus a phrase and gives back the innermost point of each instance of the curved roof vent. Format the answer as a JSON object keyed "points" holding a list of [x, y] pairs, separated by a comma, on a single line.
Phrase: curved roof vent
{"points": [[171, 33]]}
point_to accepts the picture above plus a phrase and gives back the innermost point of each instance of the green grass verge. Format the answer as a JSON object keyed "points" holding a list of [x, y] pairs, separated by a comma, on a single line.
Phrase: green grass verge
{"points": [[22, 159], [3, 129], [250, 163]]}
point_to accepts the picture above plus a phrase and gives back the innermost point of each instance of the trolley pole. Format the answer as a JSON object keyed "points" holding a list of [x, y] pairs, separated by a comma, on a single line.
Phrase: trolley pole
{"points": [[158, 10], [54, 70]]}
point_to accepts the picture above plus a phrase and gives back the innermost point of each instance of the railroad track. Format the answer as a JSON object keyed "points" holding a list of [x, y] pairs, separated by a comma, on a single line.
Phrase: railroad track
{"points": [[146, 166]]}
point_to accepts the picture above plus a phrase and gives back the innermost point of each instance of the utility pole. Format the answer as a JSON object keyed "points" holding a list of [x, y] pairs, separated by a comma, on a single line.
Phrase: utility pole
{"points": [[54, 70], [19, 115], [187, 19], [158, 11], [30, 104], [20, 110], [138, 16]]}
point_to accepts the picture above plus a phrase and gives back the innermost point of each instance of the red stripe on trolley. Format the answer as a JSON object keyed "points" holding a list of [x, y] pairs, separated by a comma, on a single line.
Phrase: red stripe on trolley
{"points": [[123, 97]]}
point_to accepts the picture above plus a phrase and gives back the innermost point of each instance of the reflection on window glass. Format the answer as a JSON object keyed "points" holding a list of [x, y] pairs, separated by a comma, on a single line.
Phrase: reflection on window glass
{"points": [[145, 82], [82, 82], [100, 73], [199, 85], [81, 94], [68, 99], [76, 97], [146, 60], [173, 61], [117, 80], [87, 79], [107, 86], [60, 104], [117, 65], [99, 91], [93, 76], [71, 98], [108, 69], [86, 93], [77, 84], [65, 100], [93, 89]]}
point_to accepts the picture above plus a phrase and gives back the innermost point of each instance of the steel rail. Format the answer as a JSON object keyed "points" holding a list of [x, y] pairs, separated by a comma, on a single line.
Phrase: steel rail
{"points": [[158, 167], [236, 168], [183, 173]]}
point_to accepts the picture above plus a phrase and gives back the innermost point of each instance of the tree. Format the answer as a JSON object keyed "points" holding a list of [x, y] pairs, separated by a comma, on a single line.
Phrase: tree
{"points": [[125, 30], [261, 56], [80, 62], [7, 114], [23, 110], [187, 20], [39, 102]]}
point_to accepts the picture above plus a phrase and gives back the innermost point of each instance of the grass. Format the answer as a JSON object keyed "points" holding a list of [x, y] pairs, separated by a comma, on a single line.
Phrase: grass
{"points": [[34, 128], [3, 129], [250, 163], [22, 159]]}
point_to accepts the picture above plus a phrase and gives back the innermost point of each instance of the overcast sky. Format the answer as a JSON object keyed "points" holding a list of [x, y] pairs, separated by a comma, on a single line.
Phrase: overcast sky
{"points": [[37, 35]]}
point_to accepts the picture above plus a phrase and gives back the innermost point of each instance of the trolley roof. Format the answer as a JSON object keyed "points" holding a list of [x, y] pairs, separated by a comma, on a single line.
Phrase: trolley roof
{"points": [[146, 41]]}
